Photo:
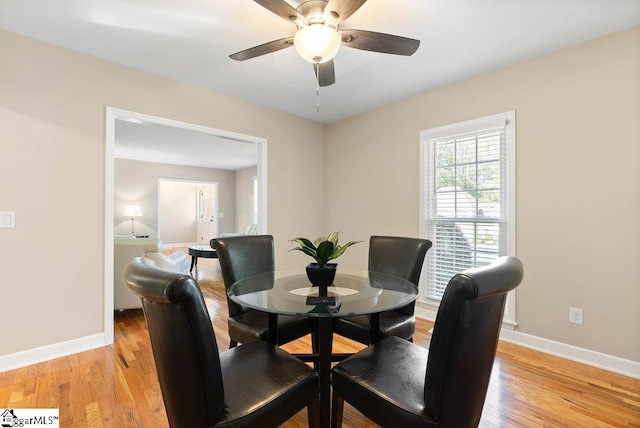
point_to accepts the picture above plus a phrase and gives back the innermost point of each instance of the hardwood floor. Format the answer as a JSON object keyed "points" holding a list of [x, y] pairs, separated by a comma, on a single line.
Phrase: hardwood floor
{"points": [[116, 386]]}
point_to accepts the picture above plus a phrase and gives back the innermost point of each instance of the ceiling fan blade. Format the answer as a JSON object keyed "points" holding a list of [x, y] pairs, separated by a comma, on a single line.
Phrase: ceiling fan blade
{"points": [[343, 8], [379, 42], [263, 49], [282, 9], [327, 73]]}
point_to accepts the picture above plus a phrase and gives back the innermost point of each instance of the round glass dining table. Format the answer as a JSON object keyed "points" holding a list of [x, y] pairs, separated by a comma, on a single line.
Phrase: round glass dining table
{"points": [[353, 292]]}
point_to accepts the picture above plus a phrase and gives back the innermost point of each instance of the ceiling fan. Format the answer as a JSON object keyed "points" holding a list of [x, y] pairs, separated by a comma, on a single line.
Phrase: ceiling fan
{"points": [[318, 38]]}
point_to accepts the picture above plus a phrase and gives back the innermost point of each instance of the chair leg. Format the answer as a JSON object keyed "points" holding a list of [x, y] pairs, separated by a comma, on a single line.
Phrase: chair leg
{"points": [[337, 406], [232, 343], [314, 347], [313, 413]]}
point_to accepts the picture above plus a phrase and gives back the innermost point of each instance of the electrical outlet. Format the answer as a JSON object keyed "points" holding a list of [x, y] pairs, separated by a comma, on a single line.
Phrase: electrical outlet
{"points": [[575, 316]]}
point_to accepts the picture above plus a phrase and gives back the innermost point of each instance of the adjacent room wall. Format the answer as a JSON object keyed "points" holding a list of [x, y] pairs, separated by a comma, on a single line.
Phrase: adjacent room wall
{"points": [[178, 202], [578, 183], [137, 182], [52, 172], [244, 197]]}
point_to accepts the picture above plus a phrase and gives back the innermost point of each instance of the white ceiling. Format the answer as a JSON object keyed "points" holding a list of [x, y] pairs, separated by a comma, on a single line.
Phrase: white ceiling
{"points": [[153, 142], [190, 41]]}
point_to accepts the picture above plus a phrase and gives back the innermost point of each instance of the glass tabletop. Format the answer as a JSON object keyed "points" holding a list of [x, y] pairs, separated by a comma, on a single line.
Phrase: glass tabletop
{"points": [[354, 292], [201, 247]]}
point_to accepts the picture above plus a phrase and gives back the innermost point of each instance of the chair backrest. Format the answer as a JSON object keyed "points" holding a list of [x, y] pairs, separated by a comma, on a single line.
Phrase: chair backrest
{"points": [[464, 341], [243, 256], [398, 256], [183, 342]]}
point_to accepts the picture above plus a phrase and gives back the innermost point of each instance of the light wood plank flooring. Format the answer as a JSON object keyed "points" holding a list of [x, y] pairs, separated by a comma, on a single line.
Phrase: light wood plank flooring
{"points": [[116, 386]]}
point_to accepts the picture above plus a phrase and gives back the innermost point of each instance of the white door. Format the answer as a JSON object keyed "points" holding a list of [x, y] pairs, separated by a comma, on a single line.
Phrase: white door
{"points": [[207, 212]]}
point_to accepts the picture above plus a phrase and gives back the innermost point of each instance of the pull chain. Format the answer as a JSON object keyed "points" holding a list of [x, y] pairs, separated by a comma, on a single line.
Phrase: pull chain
{"points": [[318, 87]]}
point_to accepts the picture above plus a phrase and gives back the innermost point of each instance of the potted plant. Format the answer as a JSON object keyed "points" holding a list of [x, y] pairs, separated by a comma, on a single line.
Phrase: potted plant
{"points": [[322, 250]]}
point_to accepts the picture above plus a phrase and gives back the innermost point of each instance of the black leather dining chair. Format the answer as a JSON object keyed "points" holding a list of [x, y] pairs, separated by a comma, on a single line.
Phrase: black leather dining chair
{"points": [[400, 384], [252, 385], [243, 256], [397, 256]]}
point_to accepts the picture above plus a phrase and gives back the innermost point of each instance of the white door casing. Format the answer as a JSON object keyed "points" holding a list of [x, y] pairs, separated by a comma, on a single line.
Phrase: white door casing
{"points": [[111, 116]]}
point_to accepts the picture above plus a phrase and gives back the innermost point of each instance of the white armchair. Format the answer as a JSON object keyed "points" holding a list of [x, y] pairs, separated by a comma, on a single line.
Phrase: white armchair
{"points": [[126, 249], [177, 262]]}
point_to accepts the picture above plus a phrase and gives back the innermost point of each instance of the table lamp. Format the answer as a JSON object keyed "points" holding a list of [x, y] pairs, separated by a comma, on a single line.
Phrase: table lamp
{"points": [[132, 211]]}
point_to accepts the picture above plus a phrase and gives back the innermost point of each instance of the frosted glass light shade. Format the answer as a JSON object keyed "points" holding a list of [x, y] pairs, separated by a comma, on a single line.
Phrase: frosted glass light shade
{"points": [[317, 43]]}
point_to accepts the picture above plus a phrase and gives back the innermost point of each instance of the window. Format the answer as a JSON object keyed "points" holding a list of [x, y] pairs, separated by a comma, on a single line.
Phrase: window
{"points": [[468, 200]]}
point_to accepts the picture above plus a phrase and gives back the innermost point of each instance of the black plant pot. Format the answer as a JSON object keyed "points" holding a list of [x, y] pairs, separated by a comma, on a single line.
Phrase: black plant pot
{"points": [[321, 276]]}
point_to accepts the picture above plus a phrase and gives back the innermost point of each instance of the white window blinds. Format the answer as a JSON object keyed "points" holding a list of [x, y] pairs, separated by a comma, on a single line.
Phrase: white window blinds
{"points": [[467, 198]]}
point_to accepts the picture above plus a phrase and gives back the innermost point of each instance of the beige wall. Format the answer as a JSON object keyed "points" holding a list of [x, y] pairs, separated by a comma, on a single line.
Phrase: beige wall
{"points": [[137, 182], [578, 183], [244, 197], [178, 208], [578, 126], [52, 171]]}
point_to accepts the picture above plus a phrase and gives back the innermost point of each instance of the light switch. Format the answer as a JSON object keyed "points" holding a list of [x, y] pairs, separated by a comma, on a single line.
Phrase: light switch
{"points": [[7, 219]]}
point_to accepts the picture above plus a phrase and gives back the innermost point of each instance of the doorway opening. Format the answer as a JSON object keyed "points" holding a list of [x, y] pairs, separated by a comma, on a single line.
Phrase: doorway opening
{"points": [[207, 212], [226, 140]]}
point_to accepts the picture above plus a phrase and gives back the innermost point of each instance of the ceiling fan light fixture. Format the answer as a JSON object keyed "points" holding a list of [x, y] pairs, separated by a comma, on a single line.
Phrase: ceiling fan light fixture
{"points": [[317, 43]]}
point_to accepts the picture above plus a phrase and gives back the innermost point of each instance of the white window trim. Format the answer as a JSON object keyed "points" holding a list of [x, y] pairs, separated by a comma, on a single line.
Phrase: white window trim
{"points": [[474, 125]]}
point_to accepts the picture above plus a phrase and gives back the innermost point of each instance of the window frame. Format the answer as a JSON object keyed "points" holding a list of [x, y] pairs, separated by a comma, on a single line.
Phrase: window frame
{"points": [[508, 119]]}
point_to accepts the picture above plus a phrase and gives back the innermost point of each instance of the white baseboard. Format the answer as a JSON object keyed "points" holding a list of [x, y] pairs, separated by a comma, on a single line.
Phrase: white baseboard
{"points": [[426, 314], [50, 352], [569, 352], [573, 353]]}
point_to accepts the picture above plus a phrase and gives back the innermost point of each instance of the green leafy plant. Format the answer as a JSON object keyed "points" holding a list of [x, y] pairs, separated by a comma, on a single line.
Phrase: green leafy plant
{"points": [[323, 249]]}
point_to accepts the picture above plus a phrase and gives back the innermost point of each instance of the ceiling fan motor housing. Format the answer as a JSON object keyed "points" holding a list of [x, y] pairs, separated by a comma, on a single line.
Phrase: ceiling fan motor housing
{"points": [[314, 13]]}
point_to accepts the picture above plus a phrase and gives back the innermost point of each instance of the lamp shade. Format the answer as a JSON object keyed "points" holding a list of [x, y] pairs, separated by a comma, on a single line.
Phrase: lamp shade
{"points": [[132, 211], [317, 43]]}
